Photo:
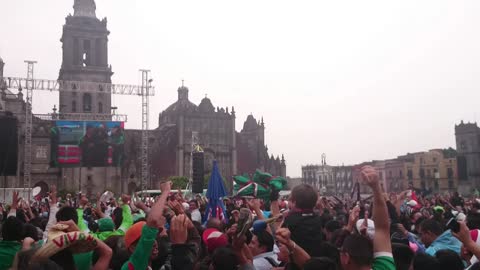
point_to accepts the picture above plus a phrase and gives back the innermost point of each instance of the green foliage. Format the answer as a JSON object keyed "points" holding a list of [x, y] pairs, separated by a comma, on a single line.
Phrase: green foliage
{"points": [[179, 182], [207, 179], [449, 153]]}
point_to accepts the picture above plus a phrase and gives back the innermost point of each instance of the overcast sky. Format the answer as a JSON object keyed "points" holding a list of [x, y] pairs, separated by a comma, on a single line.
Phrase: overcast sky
{"points": [[357, 80]]}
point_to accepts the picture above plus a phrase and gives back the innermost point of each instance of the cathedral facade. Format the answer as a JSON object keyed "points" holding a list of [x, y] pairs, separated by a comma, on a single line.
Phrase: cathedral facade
{"points": [[85, 58]]}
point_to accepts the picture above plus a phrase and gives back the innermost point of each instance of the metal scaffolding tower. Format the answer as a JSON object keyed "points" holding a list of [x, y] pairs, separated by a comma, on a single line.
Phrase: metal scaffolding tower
{"points": [[27, 159], [144, 146], [29, 84]]}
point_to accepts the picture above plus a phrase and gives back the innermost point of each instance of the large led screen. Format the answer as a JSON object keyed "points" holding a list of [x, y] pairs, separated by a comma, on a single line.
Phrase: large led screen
{"points": [[87, 144]]}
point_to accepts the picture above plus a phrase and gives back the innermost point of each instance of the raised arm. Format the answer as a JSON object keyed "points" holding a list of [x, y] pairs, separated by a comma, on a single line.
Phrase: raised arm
{"points": [[52, 220], [141, 255], [127, 219], [464, 236], [381, 241]]}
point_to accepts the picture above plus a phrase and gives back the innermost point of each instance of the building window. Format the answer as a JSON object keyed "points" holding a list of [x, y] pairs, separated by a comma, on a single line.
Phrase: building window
{"points": [[436, 174], [76, 52], [86, 53], [41, 152], [390, 173], [436, 185], [450, 173], [422, 173], [74, 106], [98, 52], [410, 174], [100, 107], [87, 102], [400, 173], [450, 184], [434, 160], [423, 185]]}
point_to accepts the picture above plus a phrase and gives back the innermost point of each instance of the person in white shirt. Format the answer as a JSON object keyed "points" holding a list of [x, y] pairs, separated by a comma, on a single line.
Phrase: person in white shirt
{"points": [[262, 248], [195, 213]]}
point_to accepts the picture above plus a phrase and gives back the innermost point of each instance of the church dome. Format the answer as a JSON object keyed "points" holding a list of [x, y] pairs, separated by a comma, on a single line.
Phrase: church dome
{"points": [[206, 105], [182, 104]]}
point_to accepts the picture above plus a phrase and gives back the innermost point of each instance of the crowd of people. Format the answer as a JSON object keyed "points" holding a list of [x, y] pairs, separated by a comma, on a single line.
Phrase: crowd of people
{"points": [[383, 232]]}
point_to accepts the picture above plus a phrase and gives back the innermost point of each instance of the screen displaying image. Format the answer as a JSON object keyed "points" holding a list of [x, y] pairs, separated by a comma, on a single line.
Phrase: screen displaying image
{"points": [[87, 144]]}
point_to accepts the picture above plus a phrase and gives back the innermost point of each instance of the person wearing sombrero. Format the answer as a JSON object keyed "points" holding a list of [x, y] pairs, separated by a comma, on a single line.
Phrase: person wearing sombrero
{"points": [[63, 242]]}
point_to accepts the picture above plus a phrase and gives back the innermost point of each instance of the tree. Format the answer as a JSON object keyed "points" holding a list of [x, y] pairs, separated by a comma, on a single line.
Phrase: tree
{"points": [[206, 179], [179, 182]]}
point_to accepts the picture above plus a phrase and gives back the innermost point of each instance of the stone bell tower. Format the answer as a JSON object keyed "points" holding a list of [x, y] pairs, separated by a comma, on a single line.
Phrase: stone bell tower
{"points": [[85, 58]]}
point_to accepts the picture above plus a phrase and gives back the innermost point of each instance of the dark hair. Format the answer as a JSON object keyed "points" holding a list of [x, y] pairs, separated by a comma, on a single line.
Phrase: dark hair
{"points": [[419, 221], [224, 258], [215, 223], [323, 263], [24, 261], [332, 226], [67, 213], [304, 196], [64, 259], [402, 255], [195, 202], [424, 261], [359, 248], [329, 250], [117, 217], [30, 231], [20, 214], [12, 229], [432, 226], [120, 252], [449, 260], [473, 221], [265, 239]]}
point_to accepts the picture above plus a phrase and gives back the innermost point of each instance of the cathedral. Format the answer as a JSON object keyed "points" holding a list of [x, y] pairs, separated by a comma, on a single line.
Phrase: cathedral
{"points": [[85, 58]]}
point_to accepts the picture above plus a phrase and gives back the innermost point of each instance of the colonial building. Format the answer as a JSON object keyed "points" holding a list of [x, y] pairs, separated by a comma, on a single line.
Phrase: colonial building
{"points": [[343, 180], [433, 171], [85, 58], [328, 180]]}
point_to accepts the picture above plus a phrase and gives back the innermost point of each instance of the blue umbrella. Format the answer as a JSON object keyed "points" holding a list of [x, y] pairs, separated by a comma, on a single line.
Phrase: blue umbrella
{"points": [[215, 192]]}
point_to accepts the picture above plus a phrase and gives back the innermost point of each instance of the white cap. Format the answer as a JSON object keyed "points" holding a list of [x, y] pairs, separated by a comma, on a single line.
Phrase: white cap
{"points": [[370, 227], [412, 203]]}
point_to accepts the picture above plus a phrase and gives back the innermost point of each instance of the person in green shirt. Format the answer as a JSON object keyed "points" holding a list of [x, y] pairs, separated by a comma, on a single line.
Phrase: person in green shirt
{"points": [[106, 224], [140, 239], [11, 244], [12, 233]]}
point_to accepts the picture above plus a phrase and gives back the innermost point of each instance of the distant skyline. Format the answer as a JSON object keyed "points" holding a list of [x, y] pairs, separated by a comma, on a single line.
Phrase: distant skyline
{"points": [[357, 80]]}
